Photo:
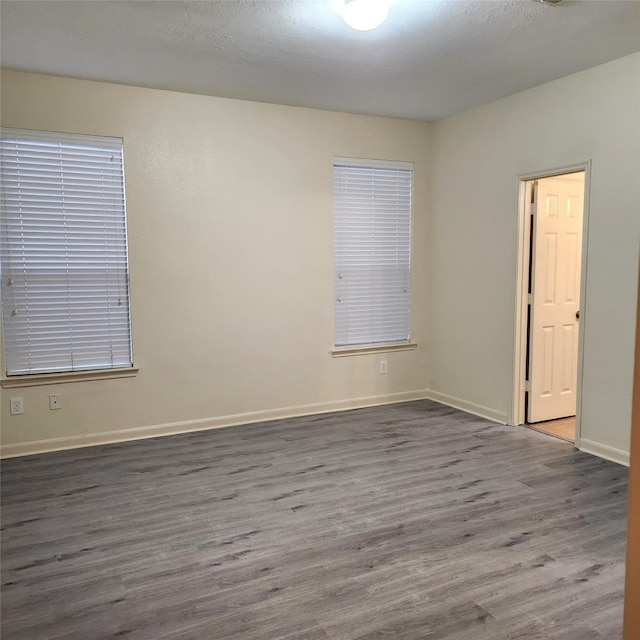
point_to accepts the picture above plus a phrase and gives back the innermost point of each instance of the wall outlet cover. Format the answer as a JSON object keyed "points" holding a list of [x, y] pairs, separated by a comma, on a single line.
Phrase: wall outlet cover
{"points": [[17, 406]]}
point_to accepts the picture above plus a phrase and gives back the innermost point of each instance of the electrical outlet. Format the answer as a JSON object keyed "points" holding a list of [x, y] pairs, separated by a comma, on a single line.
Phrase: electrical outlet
{"points": [[383, 366], [54, 401], [17, 406]]}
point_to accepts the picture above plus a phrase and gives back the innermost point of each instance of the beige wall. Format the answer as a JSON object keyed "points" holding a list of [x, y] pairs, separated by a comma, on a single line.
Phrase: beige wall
{"points": [[230, 229], [230, 218], [593, 115]]}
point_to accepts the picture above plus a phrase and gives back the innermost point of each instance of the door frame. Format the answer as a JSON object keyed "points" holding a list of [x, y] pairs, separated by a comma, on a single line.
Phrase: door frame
{"points": [[516, 414]]}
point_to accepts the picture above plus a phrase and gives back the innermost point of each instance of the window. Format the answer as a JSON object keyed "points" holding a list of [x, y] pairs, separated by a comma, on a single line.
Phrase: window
{"points": [[372, 224], [63, 244]]}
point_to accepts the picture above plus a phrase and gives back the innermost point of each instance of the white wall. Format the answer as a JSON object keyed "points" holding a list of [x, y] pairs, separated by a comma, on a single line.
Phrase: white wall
{"points": [[230, 211], [593, 115]]}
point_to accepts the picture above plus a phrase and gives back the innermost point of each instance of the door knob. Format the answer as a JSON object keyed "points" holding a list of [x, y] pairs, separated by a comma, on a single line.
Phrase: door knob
{"points": [[578, 315]]}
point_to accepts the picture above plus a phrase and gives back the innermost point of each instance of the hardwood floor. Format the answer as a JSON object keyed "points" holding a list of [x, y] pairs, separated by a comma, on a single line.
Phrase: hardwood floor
{"points": [[564, 428], [410, 521]]}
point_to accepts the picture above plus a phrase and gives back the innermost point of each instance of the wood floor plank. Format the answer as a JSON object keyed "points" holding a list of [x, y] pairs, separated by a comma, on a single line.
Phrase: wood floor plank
{"points": [[407, 521]]}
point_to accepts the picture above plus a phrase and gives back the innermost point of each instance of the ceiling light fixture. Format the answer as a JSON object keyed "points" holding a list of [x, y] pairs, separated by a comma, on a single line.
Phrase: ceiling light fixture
{"points": [[364, 15]]}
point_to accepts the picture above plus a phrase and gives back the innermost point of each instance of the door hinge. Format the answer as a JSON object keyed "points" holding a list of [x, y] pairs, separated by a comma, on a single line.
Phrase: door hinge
{"points": [[529, 298], [527, 386]]}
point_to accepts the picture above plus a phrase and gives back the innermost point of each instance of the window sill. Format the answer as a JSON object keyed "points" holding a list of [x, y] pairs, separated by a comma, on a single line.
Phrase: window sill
{"points": [[363, 349], [36, 380]]}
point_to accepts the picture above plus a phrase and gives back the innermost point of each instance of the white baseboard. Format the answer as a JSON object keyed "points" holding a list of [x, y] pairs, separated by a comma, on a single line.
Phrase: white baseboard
{"points": [[604, 451], [469, 407], [173, 428]]}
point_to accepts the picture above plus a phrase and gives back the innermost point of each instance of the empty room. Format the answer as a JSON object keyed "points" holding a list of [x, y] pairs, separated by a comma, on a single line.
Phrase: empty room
{"points": [[319, 319]]}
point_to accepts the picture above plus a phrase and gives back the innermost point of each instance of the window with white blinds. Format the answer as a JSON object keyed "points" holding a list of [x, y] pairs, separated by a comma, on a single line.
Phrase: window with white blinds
{"points": [[63, 243], [372, 227]]}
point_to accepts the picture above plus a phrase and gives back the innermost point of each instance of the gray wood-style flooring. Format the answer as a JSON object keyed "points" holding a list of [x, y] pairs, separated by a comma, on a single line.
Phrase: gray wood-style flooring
{"points": [[409, 521]]}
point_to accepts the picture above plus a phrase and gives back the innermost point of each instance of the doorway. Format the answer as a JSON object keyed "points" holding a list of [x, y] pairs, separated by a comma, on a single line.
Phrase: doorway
{"points": [[550, 301]]}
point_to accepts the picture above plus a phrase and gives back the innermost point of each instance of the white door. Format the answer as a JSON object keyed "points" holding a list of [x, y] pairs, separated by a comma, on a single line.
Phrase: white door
{"points": [[555, 297]]}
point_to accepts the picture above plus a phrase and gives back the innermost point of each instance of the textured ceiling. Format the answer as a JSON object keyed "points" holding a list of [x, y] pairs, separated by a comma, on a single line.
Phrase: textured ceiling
{"points": [[432, 58]]}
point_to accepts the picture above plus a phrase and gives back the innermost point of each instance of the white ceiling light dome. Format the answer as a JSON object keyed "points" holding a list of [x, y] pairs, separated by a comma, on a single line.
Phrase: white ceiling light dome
{"points": [[364, 15]]}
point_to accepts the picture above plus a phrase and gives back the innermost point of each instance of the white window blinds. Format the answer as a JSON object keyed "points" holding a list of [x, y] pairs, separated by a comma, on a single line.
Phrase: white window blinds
{"points": [[63, 240], [372, 225]]}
